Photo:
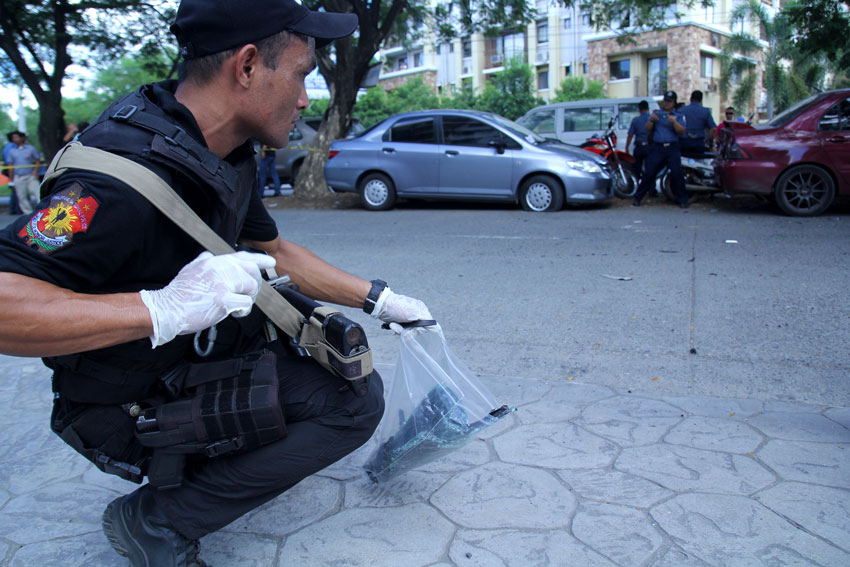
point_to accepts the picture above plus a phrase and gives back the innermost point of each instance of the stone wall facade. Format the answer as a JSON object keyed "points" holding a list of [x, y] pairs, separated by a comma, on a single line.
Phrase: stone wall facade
{"points": [[681, 45], [392, 83]]}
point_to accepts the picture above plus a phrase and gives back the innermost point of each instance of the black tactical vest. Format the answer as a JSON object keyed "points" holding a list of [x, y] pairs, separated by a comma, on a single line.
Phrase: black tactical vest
{"points": [[136, 128]]}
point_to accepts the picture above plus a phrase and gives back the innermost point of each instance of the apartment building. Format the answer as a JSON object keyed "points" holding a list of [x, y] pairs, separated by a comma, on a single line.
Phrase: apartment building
{"points": [[562, 42]]}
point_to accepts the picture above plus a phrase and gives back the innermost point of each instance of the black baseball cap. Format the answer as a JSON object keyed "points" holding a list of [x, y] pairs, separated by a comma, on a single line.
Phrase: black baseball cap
{"points": [[671, 95], [204, 27]]}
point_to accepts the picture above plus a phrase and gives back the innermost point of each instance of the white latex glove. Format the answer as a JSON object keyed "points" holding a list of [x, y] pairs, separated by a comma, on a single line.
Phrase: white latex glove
{"points": [[205, 291], [393, 308]]}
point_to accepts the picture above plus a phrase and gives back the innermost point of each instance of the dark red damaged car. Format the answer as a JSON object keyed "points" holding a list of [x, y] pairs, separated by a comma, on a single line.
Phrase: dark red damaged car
{"points": [[801, 158]]}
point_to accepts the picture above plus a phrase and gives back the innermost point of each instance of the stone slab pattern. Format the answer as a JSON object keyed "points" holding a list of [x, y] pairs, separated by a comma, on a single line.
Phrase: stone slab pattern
{"points": [[579, 475]]}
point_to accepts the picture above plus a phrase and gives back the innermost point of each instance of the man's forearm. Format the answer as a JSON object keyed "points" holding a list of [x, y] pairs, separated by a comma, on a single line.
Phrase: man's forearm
{"points": [[315, 277], [41, 319]]}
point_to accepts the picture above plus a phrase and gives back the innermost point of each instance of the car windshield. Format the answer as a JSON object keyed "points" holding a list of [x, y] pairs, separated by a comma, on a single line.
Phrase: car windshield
{"points": [[790, 113], [518, 130]]}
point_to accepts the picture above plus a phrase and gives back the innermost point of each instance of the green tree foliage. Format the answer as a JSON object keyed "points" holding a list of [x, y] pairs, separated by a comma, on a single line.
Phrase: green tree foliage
{"points": [[38, 38], [7, 123], [377, 104], [114, 81], [822, 29], [509, 93], [463, 98], [579, 88], [776, 31]]}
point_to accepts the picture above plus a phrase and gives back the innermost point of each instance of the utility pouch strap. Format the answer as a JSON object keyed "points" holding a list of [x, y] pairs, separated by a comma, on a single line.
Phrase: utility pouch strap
{"points": [[76, 156]]}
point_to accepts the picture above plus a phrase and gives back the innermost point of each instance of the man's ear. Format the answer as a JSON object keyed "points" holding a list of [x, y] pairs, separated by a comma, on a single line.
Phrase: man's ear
{"points": [[245, 64]]}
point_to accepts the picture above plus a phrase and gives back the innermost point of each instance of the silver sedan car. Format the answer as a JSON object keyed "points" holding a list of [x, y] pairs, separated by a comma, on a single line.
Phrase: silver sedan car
{"points": [[464, 154]]}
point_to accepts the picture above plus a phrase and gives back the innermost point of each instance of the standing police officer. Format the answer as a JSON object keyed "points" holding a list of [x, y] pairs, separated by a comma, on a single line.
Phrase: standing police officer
{"points": [[700, 126], [664, 126], [108, 277], [637, 131]]}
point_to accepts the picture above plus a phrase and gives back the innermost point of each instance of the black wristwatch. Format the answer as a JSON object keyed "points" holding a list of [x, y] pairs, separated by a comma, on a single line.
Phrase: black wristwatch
{"points": [[372, 299]]}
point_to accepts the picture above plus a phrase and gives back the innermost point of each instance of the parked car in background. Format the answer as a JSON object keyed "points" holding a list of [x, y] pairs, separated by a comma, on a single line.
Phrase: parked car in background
{"points": [[576, 121], [801, 158], [288, 160], [462, 154]]}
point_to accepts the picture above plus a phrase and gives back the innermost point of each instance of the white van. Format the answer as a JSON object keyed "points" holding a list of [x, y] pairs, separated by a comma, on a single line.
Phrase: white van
{"points": [[574, 122]]}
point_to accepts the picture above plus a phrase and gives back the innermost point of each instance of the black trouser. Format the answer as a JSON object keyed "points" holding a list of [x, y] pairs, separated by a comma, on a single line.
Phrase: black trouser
{"points": [[640, 157], [658, 156], [323, 425]]}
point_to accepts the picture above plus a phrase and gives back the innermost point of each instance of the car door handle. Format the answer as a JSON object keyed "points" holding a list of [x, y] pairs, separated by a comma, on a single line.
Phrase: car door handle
{"points": [[452, 152], [389, 150], [837, 140]]}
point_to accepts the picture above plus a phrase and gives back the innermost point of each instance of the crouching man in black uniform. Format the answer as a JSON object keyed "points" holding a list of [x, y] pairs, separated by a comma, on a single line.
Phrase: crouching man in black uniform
{"points": [[115, 291]]}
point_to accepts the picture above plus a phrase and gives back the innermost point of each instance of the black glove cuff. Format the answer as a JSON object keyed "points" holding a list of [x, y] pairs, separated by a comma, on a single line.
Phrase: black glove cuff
{"points": [[372, 299]]}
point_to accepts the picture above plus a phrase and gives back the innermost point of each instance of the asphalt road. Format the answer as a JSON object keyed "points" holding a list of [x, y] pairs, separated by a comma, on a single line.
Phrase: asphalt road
{"points": [[728, 298]]}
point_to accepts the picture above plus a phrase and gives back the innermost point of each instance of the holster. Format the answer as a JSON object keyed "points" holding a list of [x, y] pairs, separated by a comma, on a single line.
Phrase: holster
{"points": [[211, 409]]}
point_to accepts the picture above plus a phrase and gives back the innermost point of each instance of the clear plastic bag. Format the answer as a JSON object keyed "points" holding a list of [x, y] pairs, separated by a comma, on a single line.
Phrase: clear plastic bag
{"points": [[435, 405]]}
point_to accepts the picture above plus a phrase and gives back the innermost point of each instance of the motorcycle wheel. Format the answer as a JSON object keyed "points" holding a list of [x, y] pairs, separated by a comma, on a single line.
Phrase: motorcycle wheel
{"points": [[624, 189], [627, 189], [667, 187]]}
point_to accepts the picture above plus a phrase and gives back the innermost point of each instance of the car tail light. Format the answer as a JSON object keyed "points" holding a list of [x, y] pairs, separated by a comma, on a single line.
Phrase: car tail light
{"points": [[734, 151], [332, 154]]}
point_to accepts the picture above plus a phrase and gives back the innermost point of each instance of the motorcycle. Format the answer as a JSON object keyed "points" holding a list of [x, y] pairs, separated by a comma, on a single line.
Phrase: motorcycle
{"points": [[625, 183], [698, 168]]}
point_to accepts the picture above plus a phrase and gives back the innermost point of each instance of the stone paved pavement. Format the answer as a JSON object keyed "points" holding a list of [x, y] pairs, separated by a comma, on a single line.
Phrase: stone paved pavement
{"points": [[580, 475]]}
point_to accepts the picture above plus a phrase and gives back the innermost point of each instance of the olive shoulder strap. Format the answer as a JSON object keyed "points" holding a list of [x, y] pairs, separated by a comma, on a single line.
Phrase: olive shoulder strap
{"points": [[77, 156]]}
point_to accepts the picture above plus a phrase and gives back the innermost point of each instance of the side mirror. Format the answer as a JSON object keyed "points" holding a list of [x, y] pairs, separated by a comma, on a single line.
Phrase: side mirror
{"points": [[499, 143]]}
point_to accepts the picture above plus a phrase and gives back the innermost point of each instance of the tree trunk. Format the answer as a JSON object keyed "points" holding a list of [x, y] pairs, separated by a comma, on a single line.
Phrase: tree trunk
{"points": [[51, 125]]}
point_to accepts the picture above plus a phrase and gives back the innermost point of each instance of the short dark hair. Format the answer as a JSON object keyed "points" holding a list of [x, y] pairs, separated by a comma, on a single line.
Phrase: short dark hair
{"points": [[643, 105], [696, 96], [202, 69], [730, 109]]}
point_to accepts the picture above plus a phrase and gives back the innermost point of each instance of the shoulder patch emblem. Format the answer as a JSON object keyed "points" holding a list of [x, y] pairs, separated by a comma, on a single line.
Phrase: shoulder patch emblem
{"points": [[54, 227]]}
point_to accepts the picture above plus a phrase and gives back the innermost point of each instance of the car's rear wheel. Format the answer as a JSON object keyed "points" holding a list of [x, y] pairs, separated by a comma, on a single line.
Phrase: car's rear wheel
{"points": [[377, 192], [804, 191], [541, 194]]}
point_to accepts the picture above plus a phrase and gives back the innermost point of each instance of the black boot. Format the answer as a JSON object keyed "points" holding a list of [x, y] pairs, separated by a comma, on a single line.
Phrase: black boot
{"points": [[137, 530]]}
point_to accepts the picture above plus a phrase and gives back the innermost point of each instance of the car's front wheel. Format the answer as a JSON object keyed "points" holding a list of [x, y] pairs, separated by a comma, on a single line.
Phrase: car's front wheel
{"points": [[541, 194], [804, 191], [377, 192]]}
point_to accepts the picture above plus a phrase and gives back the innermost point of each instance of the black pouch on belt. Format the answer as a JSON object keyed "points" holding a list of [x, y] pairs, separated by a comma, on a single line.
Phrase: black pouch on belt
{"points": [[220, 407]]}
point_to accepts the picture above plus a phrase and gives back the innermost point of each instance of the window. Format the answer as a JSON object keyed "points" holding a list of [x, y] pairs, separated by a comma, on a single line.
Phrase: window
{"points": [[620, 70], [402, 64], [568, 23], [656, 76], [509, 46], [416, 129], [542, 32], [584, 68], [417, 59], [568, 70], [541, 122], [467, 47], [706, 66], [837, 118], [627, 112], [585, 20], [542, 80], [464, 131], [582, 119]]}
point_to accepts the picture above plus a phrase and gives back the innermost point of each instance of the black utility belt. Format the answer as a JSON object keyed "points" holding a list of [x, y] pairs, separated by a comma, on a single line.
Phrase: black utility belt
{"points": [[666, 144]]}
